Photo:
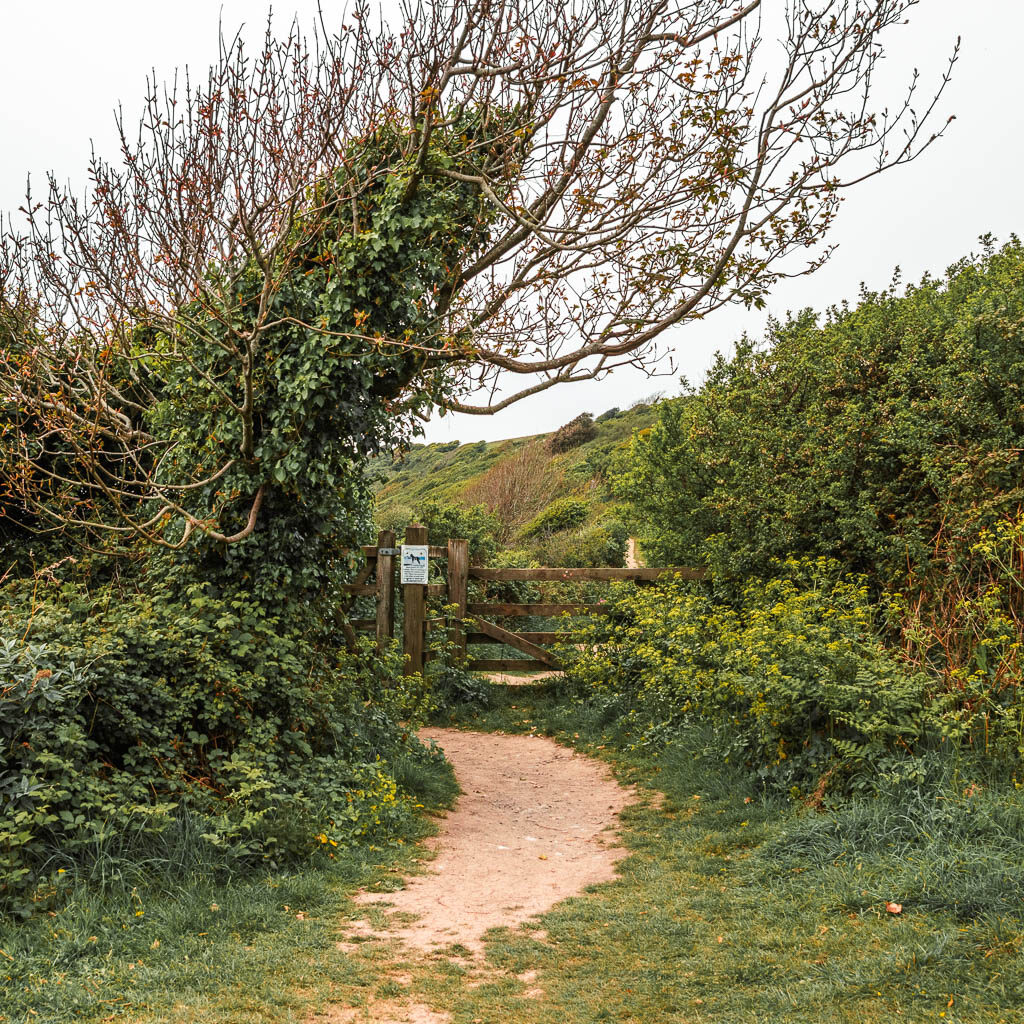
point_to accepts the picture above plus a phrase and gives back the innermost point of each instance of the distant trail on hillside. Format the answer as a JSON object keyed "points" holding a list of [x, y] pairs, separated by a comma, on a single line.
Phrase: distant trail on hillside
{"points": [[632, 559]]}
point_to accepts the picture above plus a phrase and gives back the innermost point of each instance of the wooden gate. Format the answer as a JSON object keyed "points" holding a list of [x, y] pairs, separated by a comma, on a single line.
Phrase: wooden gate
{"points": [[531, 642], [471, 622]]}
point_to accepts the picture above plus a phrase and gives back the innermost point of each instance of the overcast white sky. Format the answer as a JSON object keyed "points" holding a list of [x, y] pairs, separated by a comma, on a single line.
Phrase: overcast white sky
{"points": [[65, 65]]}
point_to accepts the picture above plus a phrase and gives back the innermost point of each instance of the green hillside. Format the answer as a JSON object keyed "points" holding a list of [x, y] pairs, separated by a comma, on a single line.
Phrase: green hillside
{"points": [[546, 496]]}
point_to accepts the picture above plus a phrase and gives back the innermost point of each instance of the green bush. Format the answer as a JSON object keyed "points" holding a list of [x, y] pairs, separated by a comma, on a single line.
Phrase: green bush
{"points": [[123, 714], [509, 591], [44, 751], [445, 521], [563, 514], [793, 678], [867, 439], [572, 434]]}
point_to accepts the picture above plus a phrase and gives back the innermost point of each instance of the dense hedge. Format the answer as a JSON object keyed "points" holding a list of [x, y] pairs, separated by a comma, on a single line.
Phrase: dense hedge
{"points": [[891, 439], [886, 438], [124, 715], [446, 522]]}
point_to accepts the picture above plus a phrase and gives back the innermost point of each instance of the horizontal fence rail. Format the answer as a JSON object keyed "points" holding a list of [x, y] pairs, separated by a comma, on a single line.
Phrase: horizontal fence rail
{"points": [[553, 575], [492, 608], [533, 637], [470, 622]]}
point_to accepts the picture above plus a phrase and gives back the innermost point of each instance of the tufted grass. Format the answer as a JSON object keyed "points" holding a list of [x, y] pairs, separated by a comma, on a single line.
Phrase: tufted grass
{"points": [[735, 907], [732, 908]]}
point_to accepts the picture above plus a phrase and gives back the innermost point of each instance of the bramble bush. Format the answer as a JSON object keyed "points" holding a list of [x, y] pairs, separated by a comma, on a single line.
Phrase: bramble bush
{"points": [[792, 678], [119, 719], [969, 632]]}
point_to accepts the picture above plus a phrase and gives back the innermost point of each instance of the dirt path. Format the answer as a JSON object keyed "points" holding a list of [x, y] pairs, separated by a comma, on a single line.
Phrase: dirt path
{"points": [[632, 559], [521, 679], [532, 827]]}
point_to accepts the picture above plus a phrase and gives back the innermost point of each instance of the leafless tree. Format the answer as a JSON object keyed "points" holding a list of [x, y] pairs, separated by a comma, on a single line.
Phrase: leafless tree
{"points": [[516, 487], [643, 163]]}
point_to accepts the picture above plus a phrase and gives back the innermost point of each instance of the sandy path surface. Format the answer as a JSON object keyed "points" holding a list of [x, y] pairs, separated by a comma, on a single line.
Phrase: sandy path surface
{"points": [[632, 559], [533, 826], [508, 679]]}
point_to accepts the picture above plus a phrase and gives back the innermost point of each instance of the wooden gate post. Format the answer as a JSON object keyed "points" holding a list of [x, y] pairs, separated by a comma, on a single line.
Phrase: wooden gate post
{"points": [[414, 596], [458, 587], [385, 588]]}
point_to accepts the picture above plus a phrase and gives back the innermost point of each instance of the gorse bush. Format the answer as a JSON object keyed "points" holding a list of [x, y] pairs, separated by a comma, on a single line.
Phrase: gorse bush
{"points": [[573, 434], [792, 677], [563, 514]]}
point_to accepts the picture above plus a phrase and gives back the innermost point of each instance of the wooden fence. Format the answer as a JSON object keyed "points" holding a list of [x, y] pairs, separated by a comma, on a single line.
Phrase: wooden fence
{"points": [[470, 622]]}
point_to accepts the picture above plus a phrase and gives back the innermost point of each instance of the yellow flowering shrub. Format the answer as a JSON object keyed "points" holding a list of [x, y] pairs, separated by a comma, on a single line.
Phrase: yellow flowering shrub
{"points": [[792, 678]]}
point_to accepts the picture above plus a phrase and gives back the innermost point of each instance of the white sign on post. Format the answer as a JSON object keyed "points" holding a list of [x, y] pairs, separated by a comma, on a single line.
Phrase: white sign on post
{"points": [[414, 563]]}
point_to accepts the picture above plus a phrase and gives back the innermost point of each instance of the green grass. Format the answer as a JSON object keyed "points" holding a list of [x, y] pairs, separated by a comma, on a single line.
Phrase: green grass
{"points": [[732, 906], [441, 472], [194, 945]]}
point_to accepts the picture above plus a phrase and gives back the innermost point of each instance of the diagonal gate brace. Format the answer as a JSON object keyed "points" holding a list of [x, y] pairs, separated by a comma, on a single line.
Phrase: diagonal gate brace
{"points": [[515, 640]]}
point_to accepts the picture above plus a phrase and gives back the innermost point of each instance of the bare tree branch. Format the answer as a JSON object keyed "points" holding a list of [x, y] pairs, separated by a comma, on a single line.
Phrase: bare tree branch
{"points": [[642, 163]]}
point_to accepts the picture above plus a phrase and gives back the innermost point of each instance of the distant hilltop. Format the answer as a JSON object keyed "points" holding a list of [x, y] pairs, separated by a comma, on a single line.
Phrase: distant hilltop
{"points": [[548, 496]]}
